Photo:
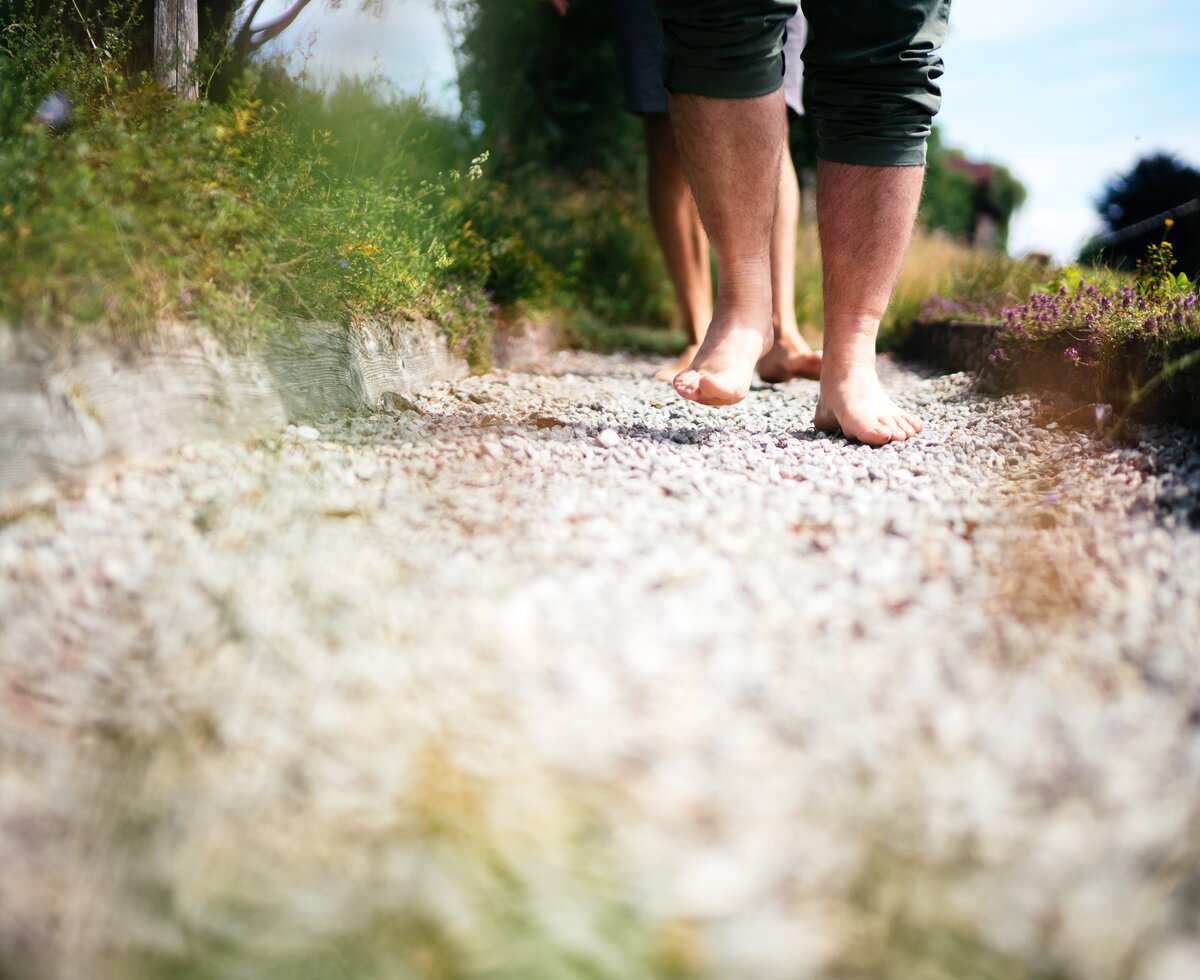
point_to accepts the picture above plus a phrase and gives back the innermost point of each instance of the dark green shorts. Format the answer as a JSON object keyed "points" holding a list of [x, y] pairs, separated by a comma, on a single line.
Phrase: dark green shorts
{"points": [[872, 66]]}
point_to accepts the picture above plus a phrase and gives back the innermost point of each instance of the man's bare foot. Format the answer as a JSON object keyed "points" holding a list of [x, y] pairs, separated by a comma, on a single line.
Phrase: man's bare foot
{"points": [[668, 373], [721, 372], [855, 405], [790, 358]]}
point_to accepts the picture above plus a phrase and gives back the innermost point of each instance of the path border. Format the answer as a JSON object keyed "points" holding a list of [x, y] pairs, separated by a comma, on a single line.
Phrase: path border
{"points": [[959, 345], [66, 411]]}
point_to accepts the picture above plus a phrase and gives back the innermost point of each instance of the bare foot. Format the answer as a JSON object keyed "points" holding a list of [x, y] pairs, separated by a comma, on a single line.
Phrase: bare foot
{"points": [[790, 358], [668, 373], [855, 405], [721, 372]]}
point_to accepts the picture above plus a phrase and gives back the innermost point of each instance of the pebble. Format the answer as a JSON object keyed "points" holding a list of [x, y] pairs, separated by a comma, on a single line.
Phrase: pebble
{"points": [[759, 681]]}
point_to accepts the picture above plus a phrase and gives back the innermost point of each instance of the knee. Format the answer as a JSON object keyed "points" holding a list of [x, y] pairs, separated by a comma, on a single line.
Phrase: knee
{"points": [[873, 90]]}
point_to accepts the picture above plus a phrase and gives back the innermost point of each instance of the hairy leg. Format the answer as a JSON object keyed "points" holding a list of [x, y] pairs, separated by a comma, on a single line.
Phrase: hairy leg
{"points": [[865, 215], [730, 150], [680, 235], [790, 357]]}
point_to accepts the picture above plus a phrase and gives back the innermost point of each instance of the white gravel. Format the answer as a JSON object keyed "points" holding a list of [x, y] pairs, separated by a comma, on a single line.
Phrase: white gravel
{"points": [[557, 675]]}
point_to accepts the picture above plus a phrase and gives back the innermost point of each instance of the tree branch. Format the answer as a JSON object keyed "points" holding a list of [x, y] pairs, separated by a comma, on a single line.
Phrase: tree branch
{"points": [[258, 36]]}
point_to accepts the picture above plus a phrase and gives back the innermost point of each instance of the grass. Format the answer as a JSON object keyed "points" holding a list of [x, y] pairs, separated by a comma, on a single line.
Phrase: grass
{"points": [[1098, 307], [280, 203]]}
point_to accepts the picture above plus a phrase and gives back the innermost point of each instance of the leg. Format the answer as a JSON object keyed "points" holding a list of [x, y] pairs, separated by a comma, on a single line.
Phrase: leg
{"points": [[730, 148], [873, 72], [790, 357], [865, 216], [680, 235]]}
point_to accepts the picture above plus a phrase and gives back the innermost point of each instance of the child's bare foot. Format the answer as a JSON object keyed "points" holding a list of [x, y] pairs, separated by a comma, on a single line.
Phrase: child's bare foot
{"points": [[790, 358], [855, 405], [721, 372], [668, 373]]}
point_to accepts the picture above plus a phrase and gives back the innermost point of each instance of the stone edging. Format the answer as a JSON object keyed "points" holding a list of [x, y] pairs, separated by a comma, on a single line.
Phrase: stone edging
{"points": [[963, 346], [64, 412]]}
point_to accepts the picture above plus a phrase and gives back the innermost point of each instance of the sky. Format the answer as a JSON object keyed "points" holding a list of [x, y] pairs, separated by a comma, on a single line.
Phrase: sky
{"points": [[1066, 93]]}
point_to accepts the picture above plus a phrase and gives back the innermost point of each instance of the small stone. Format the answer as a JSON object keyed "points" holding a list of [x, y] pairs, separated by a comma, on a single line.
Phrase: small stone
{"points": [[307, 433], [608, 438], [493, 449], [402, 404]]}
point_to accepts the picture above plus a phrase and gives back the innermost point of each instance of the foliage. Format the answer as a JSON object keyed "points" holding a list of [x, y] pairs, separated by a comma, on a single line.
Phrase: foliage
{"points": [[1004, 193], [223, 54], [94, 25], [273, 206], [583, 242], [1160, 306], [947, 202], [954, 201], [544, 89], [1156, 184], [285, 202], [982, 287], [45, 46]]}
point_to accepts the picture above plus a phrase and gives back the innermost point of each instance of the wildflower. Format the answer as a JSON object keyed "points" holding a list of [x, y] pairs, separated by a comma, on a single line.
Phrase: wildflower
{"points": [[1072, 355]]}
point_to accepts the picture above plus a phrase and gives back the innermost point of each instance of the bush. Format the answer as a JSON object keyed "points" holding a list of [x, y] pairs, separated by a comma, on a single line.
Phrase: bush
{"points": [[568, 242], [1159, 307], [279, 204]]}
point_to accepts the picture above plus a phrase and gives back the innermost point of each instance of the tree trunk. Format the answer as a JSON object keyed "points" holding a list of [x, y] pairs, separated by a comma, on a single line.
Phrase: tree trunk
{"points": [[176, 38]]}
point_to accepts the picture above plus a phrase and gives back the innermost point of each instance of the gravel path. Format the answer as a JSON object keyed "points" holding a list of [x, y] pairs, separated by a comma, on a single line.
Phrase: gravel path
{"points": [[556, 675]]}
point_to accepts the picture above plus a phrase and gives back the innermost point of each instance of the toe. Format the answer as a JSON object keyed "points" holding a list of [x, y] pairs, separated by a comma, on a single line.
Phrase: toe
{"points": [[905, 423], [687, 383], [875, 435], [718, 390], [915, 422]]}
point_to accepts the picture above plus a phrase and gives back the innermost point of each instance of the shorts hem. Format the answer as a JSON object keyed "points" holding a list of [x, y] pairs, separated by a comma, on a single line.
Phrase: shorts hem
{"points": [[899, 155]]}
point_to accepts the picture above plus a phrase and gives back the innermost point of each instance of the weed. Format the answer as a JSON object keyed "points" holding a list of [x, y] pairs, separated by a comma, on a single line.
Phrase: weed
{"points": [[278, 204]]}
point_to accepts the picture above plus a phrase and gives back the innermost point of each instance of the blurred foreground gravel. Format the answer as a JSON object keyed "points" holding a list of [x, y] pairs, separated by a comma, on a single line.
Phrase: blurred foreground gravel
{"points": [[556, 675]]}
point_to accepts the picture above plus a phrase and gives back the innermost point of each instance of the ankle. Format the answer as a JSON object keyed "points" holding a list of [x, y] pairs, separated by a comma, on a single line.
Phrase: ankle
{"points": [[783, 326], [844, 362]]}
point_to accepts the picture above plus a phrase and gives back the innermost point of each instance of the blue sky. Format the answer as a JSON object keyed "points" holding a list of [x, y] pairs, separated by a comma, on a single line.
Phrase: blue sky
{"points": [[1066, 93]]}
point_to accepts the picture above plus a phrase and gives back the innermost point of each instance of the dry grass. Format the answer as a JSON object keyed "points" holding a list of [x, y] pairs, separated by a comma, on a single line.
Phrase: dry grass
{"points": [[931, 262]]}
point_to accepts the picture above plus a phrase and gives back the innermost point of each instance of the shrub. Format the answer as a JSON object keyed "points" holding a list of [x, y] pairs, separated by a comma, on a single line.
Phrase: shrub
{"points": [[278, 204], [1160, 308]]}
